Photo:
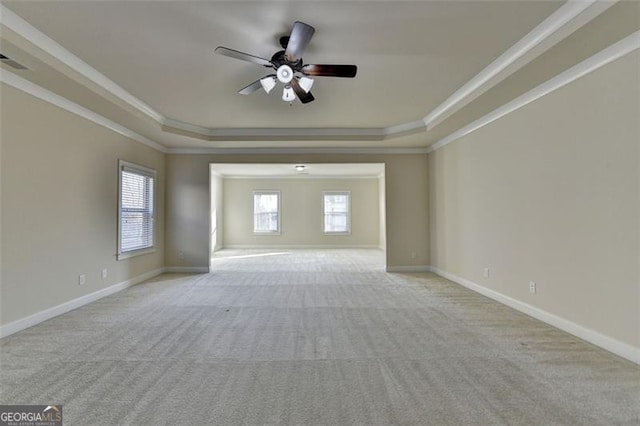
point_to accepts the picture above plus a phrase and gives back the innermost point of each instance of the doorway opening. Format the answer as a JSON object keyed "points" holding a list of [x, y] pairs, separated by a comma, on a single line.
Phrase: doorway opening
{"points": [[305, 203]]}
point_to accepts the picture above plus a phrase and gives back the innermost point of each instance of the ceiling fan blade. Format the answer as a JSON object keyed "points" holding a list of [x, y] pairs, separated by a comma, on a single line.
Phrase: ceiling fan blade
{"points": [[256, 85], [348, 71], [305, 97], [225, 51], [300, 36]]}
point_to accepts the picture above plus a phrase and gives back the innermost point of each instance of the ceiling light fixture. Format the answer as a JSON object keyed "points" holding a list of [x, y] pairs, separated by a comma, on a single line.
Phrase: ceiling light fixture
{"points": [[268, 83], [289, 67], [300, 167], [287, 94], [306, 83]]}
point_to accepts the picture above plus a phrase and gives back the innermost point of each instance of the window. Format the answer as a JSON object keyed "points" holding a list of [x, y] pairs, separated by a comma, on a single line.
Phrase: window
{"points": [[135, 209], [337, 218], [266, 212]]}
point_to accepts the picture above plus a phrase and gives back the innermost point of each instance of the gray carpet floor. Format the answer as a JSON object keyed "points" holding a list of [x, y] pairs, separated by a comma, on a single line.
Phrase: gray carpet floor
{"points": [[312, 337]]}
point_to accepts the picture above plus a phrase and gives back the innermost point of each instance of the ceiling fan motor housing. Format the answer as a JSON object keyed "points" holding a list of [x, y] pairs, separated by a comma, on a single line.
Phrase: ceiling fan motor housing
{"points": [[284, 74]]}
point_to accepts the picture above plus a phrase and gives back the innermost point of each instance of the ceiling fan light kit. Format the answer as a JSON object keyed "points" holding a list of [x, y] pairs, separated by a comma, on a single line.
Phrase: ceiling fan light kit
{"points": [[290, 70], [306, 83], [288, 95], [268, 83]]}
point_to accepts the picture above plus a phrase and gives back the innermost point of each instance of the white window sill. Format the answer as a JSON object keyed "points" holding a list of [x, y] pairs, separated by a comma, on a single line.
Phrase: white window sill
{"points": [[134, 253]]}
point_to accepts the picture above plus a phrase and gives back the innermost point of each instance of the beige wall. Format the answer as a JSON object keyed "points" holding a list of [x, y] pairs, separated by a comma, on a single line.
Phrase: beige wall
{"points": [[301, 213], [59, 205], [551, 193], [188, 203]]}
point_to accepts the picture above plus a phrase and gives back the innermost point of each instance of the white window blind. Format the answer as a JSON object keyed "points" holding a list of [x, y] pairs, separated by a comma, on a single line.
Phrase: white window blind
{"points": [[136, 209], [266, 211], [336, 212]]}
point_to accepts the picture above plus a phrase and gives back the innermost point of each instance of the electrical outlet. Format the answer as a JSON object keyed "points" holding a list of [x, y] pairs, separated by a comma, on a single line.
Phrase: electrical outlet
{"points": [[82, 279], [413, 254], [532, 287], [487, 273], [181, 255], [104, 274]]}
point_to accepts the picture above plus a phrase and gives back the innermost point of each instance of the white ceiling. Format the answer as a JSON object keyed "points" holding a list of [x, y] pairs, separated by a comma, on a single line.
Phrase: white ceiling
{"points": [[411, 57]]}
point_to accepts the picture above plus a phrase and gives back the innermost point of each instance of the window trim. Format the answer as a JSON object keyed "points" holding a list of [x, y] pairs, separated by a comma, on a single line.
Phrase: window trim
{"points": [[146, 171], [253, 211], [348, 231]]}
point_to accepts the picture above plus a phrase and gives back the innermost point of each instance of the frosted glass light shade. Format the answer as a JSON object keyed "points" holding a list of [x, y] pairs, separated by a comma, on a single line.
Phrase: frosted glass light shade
{"points": [[306, 83], [268, 83], [288, 95]]}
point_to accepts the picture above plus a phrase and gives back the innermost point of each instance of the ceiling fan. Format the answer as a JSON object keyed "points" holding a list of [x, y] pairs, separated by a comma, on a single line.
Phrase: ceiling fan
{"points": [[289, 68]]}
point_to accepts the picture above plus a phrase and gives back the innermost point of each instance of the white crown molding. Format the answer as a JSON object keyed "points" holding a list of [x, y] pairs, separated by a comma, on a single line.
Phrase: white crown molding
{"points": [[39, 92], [297, 150], [41, 40], [405, 128], [36, 37], [227, 134], [613, 52], [286, 133], [546, 29], [187, 127], [604, 57], [26, 86], [610, 344]]}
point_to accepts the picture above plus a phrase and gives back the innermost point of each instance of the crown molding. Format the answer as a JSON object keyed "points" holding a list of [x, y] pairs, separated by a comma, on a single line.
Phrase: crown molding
{"points": [[604, 57], [297, 150], [13, 80], [548, 27], [541, 33], [287, 134], [26, 86], [41, 40]]}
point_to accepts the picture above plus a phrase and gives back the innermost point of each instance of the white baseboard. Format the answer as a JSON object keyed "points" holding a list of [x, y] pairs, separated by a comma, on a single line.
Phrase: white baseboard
{"points": [[416, 268], [605, 342], [31, 320], [608, 343], [187, 269]]}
